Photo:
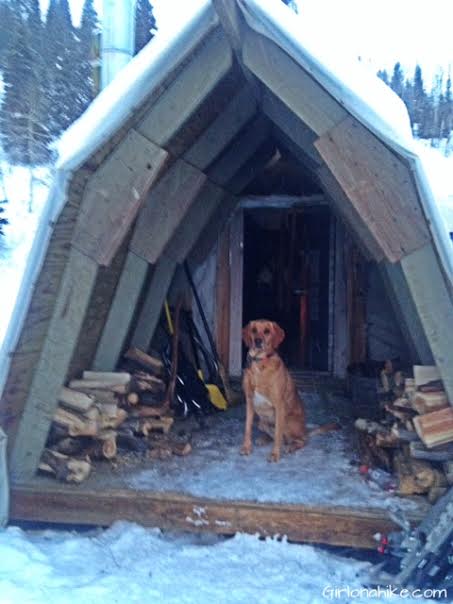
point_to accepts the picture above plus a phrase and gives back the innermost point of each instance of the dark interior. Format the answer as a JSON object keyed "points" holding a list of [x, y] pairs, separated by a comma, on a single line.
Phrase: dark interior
{"points": [[286, 278]]}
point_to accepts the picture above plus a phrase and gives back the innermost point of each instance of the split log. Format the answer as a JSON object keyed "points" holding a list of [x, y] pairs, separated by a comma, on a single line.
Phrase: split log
{"points": [[108, 409], [90, 385], [147, 383], [417, 450], [104, 397], [404, 435], [78, 401], [402, 414], [370, 454], [389, 440], [181, 449], [424, 374], [408, 475], [76, 425], [145, 360], [133, 398], [71, 446], [128, 440], [112, 377], [140, 411], [425, 402], [106, 422], [104, 447], [435, 428], [65, 468], [162, 424]]}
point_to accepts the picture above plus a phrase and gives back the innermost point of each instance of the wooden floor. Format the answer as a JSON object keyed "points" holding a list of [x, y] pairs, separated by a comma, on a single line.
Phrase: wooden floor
{"points": [[354, 527]]}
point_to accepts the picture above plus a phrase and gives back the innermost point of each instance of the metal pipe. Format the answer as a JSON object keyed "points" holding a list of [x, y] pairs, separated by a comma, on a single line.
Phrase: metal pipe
{"points": [[118, 34]]}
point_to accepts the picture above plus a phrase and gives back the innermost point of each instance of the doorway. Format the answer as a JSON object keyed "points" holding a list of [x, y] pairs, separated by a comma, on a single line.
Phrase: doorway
{"points": [[286, 279]]}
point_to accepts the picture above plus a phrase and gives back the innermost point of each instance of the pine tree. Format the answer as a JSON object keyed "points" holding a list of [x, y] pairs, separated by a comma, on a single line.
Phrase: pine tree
{"points": [[397, 81], [61, 55], [7, 23], [24, 136], [419, 100], [145, 24], [3, 221], [383, 74], [83, 65]]}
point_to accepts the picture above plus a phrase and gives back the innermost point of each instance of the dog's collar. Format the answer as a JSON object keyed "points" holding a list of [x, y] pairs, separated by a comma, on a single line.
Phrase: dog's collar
{"points": [[251, 359]]}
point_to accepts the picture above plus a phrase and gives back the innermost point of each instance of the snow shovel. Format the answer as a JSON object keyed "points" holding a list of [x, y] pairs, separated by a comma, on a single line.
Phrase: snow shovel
{"points": [[219, 367], [215, 395]]}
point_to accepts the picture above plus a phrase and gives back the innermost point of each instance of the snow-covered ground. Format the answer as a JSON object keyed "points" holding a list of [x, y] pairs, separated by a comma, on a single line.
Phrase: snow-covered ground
{"points": [[19, 233], [129, 564]]}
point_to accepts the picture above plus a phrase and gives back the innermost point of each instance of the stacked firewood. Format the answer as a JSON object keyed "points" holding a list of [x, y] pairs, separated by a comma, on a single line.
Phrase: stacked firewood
{"points": [[104, 413], [415, 439]]}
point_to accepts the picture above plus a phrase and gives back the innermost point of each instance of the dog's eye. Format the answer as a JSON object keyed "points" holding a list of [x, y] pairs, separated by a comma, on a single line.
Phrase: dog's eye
{"points": [[267, 331], [254, 330]]}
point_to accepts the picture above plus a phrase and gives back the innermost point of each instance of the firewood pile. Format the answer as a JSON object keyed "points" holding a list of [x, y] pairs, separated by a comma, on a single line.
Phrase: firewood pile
{"points": [[106, 413], [410, 451]]}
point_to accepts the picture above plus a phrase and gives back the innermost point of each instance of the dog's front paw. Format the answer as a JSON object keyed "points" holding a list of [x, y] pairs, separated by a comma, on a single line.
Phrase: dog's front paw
{"points": [[274, 457], [246, 449]]}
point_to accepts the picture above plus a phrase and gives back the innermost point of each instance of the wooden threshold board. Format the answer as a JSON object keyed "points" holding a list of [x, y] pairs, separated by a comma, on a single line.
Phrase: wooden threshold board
{"points": [[351, 527]]}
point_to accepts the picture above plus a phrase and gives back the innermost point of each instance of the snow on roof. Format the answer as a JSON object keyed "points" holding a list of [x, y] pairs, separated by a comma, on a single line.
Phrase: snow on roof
{"points": [[365, 96]]}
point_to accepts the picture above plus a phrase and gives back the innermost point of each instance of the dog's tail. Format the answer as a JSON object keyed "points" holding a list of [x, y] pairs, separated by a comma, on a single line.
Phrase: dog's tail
{"points": [[330, 427]]}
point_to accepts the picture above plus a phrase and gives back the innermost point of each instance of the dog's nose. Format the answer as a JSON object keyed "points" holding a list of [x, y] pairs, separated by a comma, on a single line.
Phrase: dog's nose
{"points": [[258, 342]]}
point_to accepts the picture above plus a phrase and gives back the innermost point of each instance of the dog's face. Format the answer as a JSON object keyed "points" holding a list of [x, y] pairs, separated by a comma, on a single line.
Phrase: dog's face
{"points": [[262, 335]]}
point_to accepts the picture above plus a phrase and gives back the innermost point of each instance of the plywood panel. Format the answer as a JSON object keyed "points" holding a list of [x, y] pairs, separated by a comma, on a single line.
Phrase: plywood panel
{"points": [[434, 307], [114, 195], [348, 213], [167, 205], [182, 97], [291, 83], [73, 297], [213, 141], [379, 186]]}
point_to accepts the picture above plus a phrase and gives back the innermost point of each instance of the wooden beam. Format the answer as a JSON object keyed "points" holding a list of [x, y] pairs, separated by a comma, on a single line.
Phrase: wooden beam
{"points": [[157, 292], [434, 305], [119, 320], [167, 205], [209, 64], [406, 312], [349, 215], [340, 306], [114, 195], [378, 184], [222, 297], [236, 291], [221, 132], [175, 252], [291, 83], [239, 152], [342, 526], [41, 401], [291, 126]]}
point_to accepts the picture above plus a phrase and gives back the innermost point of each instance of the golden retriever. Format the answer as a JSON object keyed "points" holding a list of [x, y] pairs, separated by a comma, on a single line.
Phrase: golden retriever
{"points": [[271, 392]]}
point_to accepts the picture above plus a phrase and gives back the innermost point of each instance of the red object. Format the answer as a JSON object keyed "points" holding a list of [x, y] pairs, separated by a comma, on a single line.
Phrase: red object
{"points": [[363, 469]]}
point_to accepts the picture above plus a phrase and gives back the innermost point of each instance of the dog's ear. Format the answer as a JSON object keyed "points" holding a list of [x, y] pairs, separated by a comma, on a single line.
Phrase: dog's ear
{"points": [[278, 335], [247, 336]]}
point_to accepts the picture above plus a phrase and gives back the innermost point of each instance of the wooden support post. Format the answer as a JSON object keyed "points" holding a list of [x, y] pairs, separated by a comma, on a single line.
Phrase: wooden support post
{"points": [[41, 402], [120, 314], [236, 294], [175, 252], [341, 339], [406, 312], [157, 292], [434, 305]]}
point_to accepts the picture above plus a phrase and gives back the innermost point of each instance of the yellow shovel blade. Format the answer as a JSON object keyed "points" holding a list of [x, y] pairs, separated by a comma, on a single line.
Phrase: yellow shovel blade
{"points": [[215, 395]]}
